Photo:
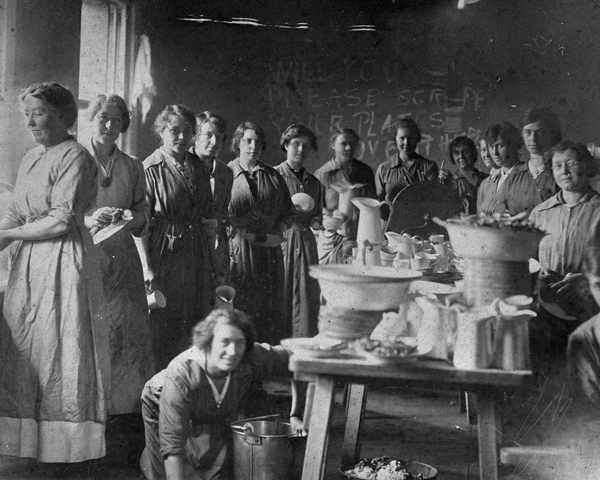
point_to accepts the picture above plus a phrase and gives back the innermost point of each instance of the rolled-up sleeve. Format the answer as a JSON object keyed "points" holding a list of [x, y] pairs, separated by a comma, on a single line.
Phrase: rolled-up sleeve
{"points": [[75, 188], [175, 411]]}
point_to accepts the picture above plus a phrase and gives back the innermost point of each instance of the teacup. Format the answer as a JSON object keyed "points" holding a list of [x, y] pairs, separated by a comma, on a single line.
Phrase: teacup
{"points": [[156, 300], [436, 239], [419, 263]]}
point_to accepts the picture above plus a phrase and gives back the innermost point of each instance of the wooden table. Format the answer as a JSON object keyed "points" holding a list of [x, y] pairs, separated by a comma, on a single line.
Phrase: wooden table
{"points": [[358, 373]]}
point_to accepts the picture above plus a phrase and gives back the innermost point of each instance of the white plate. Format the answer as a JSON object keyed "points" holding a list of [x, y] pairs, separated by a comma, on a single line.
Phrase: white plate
{"points": [[423, 287], [110, 230], [314, 347], [375, 359]]}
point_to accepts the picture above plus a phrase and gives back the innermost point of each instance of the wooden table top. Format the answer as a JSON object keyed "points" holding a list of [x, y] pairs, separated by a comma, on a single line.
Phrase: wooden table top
{"points": [[437, 372]]}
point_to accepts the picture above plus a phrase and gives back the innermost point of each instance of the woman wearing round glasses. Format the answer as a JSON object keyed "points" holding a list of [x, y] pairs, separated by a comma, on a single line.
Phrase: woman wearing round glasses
{"points": [[571, 219]]}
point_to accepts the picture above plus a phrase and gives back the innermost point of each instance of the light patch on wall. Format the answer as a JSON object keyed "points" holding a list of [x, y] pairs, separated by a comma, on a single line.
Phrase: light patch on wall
{"points": [[252, 22]]}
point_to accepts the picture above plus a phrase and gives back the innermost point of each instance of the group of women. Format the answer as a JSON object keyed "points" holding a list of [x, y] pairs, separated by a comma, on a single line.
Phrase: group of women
{"points": [[76, 339]]}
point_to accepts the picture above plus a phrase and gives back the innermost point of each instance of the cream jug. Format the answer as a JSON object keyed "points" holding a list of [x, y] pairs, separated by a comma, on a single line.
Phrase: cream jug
{"points": [[474, 349], [370, 228], [511, 342], [347, 193], [224, 297], [438, 327], [405, 245]]}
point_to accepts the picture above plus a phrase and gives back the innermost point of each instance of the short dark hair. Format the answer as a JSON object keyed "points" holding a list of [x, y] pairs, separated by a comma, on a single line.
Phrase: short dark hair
{"points": [[584, 157], [410, 125], [213, 120], [113, 101], [344, 131], [57, 96], [298, 130], [162, 120], [545, 116], [463, 142], [239, 133], [204, 331], [507, 132]]}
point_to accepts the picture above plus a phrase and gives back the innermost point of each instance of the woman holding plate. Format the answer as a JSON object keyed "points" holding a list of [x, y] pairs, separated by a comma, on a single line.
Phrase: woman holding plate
{"points": [[302, 292], [261, 210], [121, 201]]}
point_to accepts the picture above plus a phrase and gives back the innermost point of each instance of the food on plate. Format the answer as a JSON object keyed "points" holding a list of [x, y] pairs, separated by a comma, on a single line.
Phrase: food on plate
{"points": [[393, 348], [381, 468], [497, 220]]}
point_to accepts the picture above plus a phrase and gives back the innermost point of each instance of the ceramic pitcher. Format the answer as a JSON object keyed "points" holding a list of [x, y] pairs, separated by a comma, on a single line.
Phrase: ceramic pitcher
{"points": [[474, 348], [405, 245], [438, 328], [511, 342], [369, 222]]}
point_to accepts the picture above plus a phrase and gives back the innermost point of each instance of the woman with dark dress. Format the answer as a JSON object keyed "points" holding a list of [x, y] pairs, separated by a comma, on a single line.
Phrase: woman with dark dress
{"points": [[541, 131], [261, 210], [188, 408], [342, 177], [176, 253], [466, 179], [302, 292], [210, 135], [121, 194], [407, 167]]}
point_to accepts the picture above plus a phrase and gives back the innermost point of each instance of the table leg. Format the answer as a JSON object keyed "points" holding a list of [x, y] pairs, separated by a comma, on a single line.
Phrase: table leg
{"points": [[315, 457], [357, 399], [488, 428]]}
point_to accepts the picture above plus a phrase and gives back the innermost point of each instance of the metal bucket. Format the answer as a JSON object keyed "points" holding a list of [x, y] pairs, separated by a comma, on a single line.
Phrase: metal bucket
{"points": [[263, 448]]}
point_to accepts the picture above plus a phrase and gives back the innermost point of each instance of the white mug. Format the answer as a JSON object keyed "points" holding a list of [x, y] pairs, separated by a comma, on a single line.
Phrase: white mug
{"points": [[156, 300]]}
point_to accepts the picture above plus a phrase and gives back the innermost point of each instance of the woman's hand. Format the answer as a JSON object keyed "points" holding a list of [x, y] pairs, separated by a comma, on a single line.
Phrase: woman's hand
{"points": [[106, 215], [444, 175], [570, 288], [149, 281], [297, 425]]}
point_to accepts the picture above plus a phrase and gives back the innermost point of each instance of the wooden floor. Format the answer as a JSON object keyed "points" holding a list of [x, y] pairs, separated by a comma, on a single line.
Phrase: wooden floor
{"points": [[417, 425]]}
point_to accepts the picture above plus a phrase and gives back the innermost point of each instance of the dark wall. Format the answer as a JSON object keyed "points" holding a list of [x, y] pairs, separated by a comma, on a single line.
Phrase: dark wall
{"points": [[455, 72]]}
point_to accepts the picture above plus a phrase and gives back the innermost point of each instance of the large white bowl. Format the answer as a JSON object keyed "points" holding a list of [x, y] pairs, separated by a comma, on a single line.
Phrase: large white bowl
{"points": [[361, 287], [491, 243]]}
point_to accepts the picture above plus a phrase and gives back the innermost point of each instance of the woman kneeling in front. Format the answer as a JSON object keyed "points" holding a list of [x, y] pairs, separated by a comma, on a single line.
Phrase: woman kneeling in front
{"points": [[189, 406]]}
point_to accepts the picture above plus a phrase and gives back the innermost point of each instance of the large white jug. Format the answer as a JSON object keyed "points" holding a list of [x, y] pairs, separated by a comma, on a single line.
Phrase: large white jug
{"points": [[474, 348], [370, 228]]}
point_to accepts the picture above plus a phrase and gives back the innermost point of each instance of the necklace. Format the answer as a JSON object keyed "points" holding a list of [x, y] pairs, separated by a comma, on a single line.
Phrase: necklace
{"points": [[106, 171]]}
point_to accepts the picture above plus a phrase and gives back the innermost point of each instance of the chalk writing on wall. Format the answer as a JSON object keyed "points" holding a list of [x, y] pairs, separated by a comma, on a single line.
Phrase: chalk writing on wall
{"points": [[371, 96]]}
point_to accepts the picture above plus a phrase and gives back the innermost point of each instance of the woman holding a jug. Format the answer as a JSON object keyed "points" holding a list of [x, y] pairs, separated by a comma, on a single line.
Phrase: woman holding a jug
{"points": [[188, 408]]}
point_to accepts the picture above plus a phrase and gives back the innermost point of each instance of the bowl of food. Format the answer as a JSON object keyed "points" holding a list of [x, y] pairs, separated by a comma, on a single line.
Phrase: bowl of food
{"points": [[391, 351], [385, 468], [493, 237], [363, 287]]}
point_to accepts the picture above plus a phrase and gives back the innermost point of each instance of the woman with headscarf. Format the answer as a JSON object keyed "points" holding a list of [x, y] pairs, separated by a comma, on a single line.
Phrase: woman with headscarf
{"points": [[302, 292]]}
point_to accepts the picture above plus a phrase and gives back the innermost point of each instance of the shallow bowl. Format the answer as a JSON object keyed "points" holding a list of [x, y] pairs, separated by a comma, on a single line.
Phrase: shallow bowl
{"points": [[361, 287]]}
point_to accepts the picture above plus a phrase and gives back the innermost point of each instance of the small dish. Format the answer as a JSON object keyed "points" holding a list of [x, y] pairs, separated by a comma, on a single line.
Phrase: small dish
{"points": [[110, 230], [303, 202], [314, 347], [373, 357]]}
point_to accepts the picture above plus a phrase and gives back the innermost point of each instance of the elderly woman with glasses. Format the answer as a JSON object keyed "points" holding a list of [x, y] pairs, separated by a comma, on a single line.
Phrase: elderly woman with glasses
{"points": [[176, 253], [571, 219]]}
